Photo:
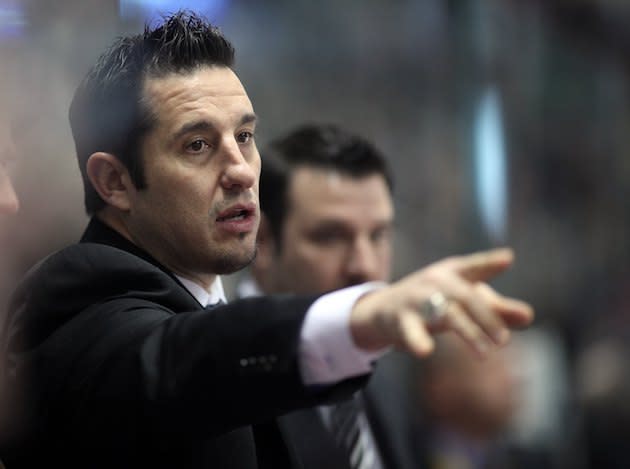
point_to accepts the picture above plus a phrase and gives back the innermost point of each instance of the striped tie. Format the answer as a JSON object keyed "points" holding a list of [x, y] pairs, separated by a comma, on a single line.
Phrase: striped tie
{"points": [[352, 436]]}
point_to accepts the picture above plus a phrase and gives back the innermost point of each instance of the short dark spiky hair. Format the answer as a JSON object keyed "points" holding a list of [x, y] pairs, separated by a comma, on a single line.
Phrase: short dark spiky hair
{"points": [[108, 112], [324, 146]]}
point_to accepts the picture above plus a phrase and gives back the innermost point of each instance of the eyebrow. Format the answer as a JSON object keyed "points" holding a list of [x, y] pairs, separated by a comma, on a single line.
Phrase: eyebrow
{"points": [[205, 125], [336, 223]]}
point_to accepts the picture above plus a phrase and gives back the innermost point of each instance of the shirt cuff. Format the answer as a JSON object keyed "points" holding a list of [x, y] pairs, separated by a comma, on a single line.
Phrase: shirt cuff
{"points": [[327, 352]]}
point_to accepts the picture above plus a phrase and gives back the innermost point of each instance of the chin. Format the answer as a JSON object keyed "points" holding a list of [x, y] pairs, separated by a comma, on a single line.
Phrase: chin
{"points": [[228, 263]]}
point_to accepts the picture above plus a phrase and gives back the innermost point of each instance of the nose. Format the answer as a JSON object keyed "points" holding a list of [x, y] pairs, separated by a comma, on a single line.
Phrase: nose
{"points": [[8, 198], [240, 172], [362, 263]]}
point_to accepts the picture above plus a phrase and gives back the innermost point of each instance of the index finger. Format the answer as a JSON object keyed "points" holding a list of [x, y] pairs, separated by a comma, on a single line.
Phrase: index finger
{"points": [[482, 266]]}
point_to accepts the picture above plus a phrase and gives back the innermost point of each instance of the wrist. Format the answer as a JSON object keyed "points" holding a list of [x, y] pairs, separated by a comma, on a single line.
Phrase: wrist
{"points": [[362, 324]]}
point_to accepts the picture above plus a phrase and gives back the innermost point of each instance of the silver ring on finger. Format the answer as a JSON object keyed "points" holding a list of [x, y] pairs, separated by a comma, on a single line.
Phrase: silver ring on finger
{"points": [[434, 308]]}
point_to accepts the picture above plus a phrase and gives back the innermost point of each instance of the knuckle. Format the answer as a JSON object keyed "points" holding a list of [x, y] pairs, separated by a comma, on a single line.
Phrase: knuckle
{"points": [[435, 275]]}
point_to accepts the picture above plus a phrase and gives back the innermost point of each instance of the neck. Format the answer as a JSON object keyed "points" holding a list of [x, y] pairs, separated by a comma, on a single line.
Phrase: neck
{"points": [[116, 223]]}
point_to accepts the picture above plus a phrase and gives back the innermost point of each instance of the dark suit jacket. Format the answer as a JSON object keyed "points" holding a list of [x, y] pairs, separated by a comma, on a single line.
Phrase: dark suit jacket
{"points": [[110, 362]]}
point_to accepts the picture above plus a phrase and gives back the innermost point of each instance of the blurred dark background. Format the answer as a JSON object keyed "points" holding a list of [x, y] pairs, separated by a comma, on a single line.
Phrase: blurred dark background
{"points": [[506, 122]]}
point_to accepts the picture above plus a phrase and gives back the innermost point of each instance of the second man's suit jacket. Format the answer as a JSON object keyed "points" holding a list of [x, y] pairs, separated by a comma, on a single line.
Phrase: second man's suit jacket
{"points": [[111, 362]]}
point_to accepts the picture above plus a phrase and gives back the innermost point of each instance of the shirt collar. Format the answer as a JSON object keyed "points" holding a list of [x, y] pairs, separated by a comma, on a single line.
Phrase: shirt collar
{"points": [[203, 296]]}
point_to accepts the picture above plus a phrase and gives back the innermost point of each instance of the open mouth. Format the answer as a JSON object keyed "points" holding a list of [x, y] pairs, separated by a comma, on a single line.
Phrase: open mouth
{"points": [[235, 215]]}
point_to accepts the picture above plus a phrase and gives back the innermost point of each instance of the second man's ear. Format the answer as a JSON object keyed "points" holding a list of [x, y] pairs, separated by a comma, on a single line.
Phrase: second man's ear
{"points": [[111, 179]]}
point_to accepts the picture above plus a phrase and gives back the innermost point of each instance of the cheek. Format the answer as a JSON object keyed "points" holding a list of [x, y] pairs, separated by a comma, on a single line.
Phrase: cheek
{"points": [[385, 260], [306, 257], [327, 258], [312, 263], [381, 256]]}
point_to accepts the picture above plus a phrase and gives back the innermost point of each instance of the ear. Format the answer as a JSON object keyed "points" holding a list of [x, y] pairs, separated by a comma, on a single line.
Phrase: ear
{"points": [[110, 178], [266, 251]]}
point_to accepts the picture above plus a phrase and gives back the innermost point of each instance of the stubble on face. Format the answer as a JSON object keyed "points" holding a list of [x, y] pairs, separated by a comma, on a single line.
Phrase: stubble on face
{"points": [[225, 263]]}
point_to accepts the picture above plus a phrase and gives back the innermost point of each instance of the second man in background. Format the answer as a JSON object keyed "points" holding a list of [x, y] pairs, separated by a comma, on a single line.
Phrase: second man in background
{"points": [[326, 195]]}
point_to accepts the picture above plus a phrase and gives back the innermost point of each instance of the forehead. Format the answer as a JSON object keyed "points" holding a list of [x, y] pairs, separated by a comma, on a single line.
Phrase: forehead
{"points": [[209, 92], [315, 194]]}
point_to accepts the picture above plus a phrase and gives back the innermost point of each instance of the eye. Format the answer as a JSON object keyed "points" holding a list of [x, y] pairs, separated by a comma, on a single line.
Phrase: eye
{"points": [[244, 137], [197, 146], [380, 234], [328, 236]]}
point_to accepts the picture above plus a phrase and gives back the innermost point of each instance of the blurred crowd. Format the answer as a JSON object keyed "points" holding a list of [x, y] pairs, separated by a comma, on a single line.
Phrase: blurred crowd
{"points": [[410, 76]]}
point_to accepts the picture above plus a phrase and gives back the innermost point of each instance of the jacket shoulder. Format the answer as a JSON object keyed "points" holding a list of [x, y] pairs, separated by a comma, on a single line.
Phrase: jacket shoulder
{"points": [[85, 272], [69, 281]]}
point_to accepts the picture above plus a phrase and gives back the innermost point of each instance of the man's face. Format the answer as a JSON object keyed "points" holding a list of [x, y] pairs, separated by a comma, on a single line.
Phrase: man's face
{"points": [[199, 213], [337, 232]]}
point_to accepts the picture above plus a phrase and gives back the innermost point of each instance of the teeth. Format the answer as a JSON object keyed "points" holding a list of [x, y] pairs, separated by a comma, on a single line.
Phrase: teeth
{"points": [[237, 216]]}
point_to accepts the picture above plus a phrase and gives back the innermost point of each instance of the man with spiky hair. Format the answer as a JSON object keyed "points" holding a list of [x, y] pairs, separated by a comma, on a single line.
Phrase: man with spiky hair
{"points": [[112, 349]]}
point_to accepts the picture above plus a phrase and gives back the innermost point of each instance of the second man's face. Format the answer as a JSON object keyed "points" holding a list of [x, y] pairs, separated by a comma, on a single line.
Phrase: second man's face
{"points": [[199, 211], [337, 232]]}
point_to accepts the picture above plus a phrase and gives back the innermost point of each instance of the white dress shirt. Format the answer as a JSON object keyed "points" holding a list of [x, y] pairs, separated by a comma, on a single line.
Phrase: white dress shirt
{"points": [[203, 296]]}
